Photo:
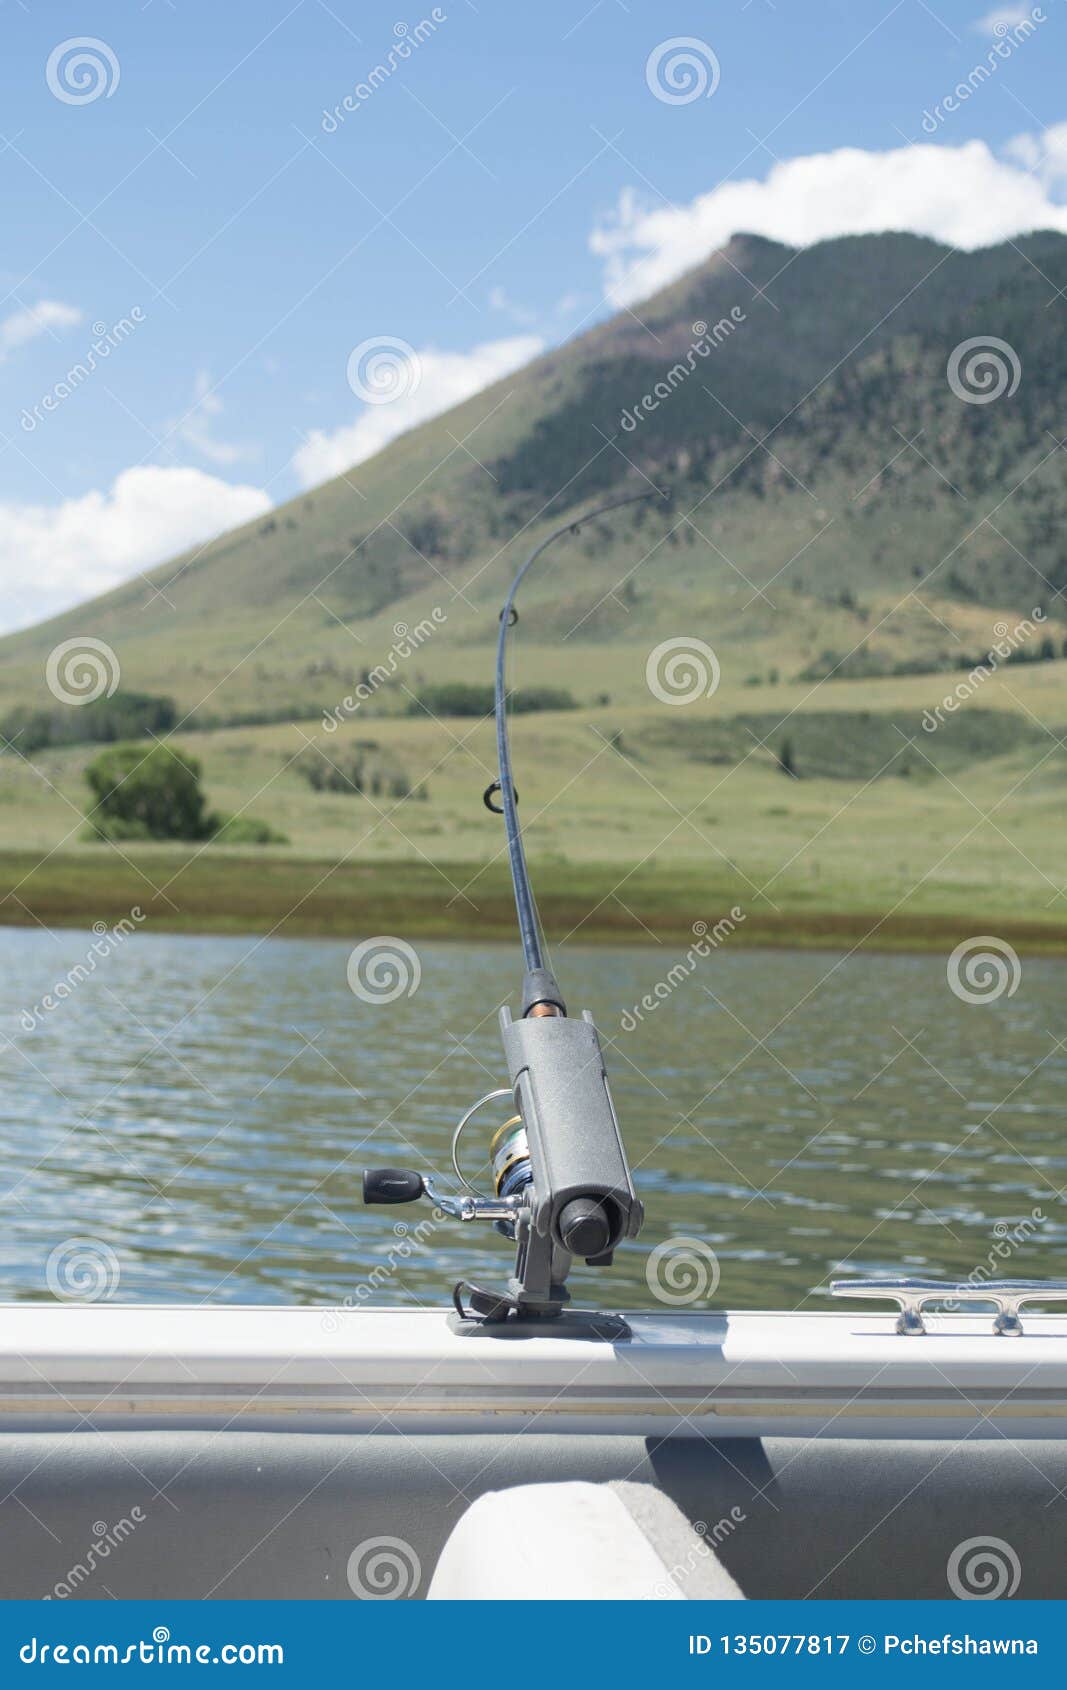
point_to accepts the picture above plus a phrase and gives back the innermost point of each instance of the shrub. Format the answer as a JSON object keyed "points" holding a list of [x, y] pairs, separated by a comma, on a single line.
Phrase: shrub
{"points": [[455, 698], [475, 698], [358, 772], [541, 698], [156, 794], [248, 830], [152, 794], [125, 715]]}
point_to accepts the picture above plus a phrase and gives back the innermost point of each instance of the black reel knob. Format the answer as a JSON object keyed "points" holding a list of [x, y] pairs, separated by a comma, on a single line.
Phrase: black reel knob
{"points": [[392, 1185], [585, 1227]]}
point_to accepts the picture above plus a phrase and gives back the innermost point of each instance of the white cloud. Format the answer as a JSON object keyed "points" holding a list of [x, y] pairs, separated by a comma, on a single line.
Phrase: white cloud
{"points": [[501, 300], [962, 195], [1008, 17], [32, 320], [1044, 154], [55, 556], [437, 381], [196, 427]]}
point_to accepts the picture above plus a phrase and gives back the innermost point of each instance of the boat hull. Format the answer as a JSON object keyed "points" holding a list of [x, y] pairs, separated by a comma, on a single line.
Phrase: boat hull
{"points": [[257, 1452]]}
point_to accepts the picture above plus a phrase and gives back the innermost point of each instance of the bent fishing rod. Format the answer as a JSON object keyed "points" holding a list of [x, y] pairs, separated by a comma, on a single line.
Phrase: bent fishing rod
{"points": [[561, 1182]]}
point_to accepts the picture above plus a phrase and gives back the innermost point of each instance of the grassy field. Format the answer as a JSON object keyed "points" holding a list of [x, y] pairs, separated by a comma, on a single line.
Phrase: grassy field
{"points": [[217, 892], [640, 822]]}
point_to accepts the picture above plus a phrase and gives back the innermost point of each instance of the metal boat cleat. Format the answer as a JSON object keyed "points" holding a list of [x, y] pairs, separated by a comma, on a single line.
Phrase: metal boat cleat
{"points": [[912, 1296]]}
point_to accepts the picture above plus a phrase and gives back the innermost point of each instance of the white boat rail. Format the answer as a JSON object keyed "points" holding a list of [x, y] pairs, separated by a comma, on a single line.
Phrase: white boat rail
{"points": [[735, 1374]]}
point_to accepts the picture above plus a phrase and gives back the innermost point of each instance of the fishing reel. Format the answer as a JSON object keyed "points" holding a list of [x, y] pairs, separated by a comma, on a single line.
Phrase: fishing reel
{"points": [[561, 1184]]}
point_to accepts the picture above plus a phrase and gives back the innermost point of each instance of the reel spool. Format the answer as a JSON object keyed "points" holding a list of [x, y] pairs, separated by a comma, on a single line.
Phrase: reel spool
{"points": [[509, 1154]]}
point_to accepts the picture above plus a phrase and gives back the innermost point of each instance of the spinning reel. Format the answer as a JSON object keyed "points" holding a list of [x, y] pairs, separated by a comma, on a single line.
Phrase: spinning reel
{"points": [[561, 1186]]}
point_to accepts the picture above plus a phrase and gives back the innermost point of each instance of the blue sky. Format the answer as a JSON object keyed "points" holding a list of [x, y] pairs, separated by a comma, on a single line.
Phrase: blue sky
{"points": [[491, 194]]}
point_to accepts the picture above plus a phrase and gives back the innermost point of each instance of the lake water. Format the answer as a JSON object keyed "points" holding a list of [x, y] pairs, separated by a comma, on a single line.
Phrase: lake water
{"points": [[189, 1121]]}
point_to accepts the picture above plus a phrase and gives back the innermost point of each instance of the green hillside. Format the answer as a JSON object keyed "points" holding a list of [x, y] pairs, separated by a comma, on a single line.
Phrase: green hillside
{"points": [[848, 342], [846, 531]]}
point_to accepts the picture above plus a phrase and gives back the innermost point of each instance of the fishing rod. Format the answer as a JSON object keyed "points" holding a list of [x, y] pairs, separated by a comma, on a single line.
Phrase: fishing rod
{"points": [[539, 985], [561, 1183]]}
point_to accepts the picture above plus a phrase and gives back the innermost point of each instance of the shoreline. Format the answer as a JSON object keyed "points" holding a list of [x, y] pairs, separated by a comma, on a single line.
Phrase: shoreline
{"points": [[217, 892]]}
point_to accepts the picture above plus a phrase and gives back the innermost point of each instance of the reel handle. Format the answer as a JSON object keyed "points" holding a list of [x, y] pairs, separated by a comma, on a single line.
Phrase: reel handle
{"points": [[392, 1185]]}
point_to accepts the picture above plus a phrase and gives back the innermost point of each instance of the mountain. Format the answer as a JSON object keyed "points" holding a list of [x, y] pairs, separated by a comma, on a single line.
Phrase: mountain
{"points": [[835, 499]]}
